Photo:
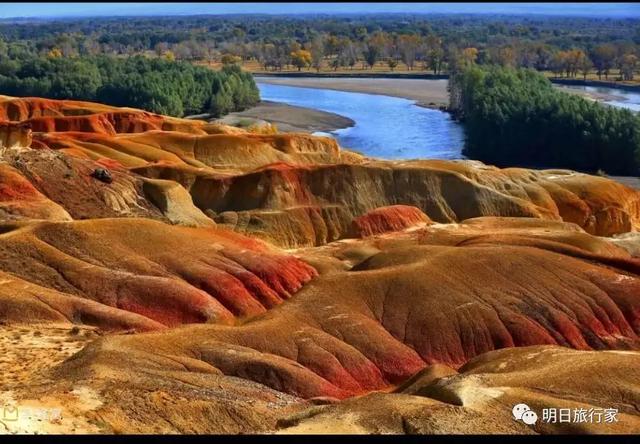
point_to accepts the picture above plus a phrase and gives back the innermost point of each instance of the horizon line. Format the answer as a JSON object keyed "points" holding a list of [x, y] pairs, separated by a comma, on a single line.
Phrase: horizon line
{"points": [[344, 14]]}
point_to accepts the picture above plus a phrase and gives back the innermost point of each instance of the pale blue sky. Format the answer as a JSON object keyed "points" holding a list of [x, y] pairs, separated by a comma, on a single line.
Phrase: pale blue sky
{"points": [[112, 9]]}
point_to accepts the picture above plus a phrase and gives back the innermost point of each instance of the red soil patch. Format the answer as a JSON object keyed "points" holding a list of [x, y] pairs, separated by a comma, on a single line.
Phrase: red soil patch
{"points": [[384, 219], [170, 275], [105, 123]]}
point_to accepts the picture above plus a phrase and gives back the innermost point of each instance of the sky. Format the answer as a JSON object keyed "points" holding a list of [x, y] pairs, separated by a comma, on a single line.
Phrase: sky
{"points": [[47, 10]]}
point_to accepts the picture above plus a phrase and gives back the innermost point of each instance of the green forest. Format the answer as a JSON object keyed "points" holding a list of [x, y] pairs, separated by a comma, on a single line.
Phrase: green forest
{"points": [[516, 117], [562, 46], [156, 85]]}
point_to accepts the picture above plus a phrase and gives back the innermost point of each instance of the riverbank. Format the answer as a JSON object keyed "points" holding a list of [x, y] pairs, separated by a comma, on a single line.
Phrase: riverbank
{"points": [[368, 114], [626, 86], [429, 93], [288, 118], [593, 95], [426, 92]]}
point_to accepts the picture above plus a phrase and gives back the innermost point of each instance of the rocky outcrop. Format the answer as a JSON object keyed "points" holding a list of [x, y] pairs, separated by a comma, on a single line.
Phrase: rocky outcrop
{"points": [[70, 182], [14, 135], [298, 190], [24, 303], [384, 219], [175, 203], [103, 123], [47, 114], [222, 152], [19, 109]]}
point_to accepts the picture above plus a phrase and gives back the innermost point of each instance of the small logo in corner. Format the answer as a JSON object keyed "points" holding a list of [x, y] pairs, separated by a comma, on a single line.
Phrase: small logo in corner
{"points": [[522, 412], [10, 413]]}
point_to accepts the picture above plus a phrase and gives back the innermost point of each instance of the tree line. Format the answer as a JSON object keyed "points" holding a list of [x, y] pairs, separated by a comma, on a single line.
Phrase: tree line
{"points": [[156, 85], [566, 46], [516, 117], [430, 53]]}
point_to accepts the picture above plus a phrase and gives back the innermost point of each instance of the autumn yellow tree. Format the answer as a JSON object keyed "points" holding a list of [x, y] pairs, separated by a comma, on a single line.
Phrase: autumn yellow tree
{"points": [[504, 56], [316, 49], [559, 63], [332, 45], [576, 58], [585, 66], [301, 58], [603, 57], [468, 56], [374, 47], [55, 53], [570, 62]]}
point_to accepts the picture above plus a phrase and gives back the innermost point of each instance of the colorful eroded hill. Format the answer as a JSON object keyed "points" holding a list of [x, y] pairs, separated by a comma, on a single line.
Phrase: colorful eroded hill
{"points": [[230, 281]]}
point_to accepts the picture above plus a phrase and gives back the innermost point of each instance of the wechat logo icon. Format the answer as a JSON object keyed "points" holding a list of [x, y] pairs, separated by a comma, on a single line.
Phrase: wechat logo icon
{"points": [[522, 412]]}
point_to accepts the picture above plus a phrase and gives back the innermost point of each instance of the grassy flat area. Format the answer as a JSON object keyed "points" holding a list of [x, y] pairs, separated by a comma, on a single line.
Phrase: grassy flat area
{"points": [[593, 77], [381, 68]]}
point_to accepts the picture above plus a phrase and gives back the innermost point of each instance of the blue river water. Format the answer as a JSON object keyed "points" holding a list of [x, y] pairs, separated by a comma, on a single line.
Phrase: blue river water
{"points": [[394, 128], [385, 127]]}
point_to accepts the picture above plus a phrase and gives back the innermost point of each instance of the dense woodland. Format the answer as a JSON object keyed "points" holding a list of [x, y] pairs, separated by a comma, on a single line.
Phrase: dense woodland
{"points": [[516, 117], [156, 85], [566, 46], [160, 85]]}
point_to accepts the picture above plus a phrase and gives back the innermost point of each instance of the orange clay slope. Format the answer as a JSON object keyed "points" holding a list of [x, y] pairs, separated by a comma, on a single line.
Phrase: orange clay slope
{"points": [[299, 190], [172, 229], [166, 274], [404, 327], [480, 398], [385, 308], [305, 205]]}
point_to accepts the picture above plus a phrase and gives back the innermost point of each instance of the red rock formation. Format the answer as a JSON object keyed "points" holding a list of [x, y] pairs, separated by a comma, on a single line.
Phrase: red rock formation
{"points": [[14, 135], [237, 152], [299, 190], [170, 275], [23, 303], [104, 123], [68, 181], [384, 219], [445, 191], [19, 199], [20, 109]]}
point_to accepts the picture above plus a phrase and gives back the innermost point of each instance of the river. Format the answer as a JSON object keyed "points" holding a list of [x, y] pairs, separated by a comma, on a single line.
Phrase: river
{"points": [[396, 128], [385, 127]]}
